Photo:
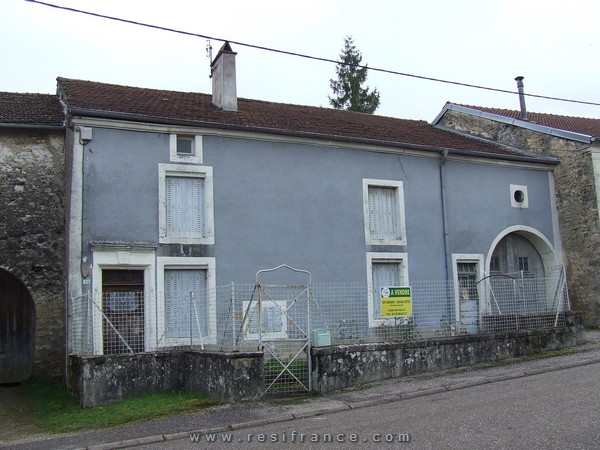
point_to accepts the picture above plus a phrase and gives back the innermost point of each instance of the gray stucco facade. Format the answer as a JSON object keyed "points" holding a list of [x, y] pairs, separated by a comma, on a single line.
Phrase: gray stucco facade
{"points": [[302, 203], [297, 201]]}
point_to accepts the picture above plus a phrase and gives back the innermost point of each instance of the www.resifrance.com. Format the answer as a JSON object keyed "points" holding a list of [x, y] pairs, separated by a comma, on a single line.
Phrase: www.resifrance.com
{"points": [[296, 437]]}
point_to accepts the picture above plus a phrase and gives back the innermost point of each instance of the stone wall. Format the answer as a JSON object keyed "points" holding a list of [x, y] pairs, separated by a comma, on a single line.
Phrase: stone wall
{"points": [[340, 367], [32, 233], [232, 377], [225, 377], [576, 201]]}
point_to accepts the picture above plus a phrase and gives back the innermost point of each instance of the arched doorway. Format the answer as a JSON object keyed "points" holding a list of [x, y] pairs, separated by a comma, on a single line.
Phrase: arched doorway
{"points": [[524, 282], [521, 241], [515, 254], [17, 329]]}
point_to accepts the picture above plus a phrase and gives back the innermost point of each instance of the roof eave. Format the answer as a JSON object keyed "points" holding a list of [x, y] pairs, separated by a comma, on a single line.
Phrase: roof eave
{"points": [[30, 126], [535, 159]]}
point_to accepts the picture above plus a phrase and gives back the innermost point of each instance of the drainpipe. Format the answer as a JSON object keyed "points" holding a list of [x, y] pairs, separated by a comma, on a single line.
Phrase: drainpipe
{"points": [[445, 215], [523, 113]]}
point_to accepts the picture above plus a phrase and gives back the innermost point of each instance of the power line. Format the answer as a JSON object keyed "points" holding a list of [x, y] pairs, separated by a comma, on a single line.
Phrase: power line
{"points": [[300, 55]]}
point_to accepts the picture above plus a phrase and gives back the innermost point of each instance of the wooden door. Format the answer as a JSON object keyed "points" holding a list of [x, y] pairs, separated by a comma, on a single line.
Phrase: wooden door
{"points": [[17, 330]]}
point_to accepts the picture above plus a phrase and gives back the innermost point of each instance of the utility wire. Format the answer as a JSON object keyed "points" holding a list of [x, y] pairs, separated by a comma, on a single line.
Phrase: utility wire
{"points": [[300, 55]]}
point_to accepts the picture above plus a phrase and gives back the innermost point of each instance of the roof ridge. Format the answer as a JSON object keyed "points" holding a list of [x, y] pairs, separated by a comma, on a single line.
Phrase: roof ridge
{"points": [[240, 99]]}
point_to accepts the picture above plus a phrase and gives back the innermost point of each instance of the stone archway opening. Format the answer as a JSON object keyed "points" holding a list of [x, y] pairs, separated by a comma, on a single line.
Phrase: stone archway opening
{"points": [[17, 329], [524, 286], [515, 254]]}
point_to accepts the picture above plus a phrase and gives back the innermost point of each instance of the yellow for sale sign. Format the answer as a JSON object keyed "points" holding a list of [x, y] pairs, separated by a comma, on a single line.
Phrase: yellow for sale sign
{"points": [[396, 302]]}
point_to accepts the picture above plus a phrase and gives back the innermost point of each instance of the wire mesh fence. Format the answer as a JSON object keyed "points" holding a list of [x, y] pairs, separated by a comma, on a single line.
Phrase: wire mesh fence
{"points": [[279, 319]]}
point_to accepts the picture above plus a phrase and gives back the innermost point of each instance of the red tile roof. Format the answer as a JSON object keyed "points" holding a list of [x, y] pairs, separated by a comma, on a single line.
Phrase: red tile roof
{"points": [[582, 125], [96, 99], [30, 109]]}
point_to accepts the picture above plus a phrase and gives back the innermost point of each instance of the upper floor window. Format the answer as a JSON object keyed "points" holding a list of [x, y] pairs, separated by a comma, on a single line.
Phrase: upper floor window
{"points": [[185, 148], [186, 204], [518, 196], [383, 203]]}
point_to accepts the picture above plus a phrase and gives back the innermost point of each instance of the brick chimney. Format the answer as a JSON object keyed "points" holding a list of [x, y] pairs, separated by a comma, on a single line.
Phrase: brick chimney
{"points": [[224, 91]]}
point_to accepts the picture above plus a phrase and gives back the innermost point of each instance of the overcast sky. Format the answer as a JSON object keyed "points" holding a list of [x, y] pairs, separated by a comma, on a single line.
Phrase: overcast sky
{"points": [[554, 44]]}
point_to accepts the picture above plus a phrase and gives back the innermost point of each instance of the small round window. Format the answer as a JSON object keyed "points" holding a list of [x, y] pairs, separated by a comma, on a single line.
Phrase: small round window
{"points": [[519, 196]]}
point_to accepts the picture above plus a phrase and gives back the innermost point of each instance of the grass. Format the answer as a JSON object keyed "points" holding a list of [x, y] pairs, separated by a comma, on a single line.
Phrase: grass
{"points": [[56, 411]]}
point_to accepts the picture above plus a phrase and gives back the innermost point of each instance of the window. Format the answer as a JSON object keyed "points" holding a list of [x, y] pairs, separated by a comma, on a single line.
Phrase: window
{"points": [[523, 263], [186, 209], [383, 270], [186, 312], [185, 303], [185, 148], [383, 203], [495, 264], [467, 280], [518, 196], [272, 318]]}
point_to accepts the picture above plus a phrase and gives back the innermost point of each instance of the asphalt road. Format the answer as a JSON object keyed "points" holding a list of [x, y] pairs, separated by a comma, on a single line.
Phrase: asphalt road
{"points": [[553, 410]]}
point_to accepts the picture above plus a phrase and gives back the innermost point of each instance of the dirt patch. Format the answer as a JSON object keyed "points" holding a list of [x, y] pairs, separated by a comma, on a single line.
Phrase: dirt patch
{"points": [[16, 415]]}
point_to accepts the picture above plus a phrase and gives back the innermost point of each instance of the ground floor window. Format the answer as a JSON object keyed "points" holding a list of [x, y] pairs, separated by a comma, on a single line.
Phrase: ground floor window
{"points": [[273, 320], [384, 270], [186, 310]]}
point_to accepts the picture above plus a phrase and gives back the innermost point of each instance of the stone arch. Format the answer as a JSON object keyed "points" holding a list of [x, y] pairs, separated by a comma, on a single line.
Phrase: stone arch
{"points": [[541, 243], [539, 284], [17, 329]]}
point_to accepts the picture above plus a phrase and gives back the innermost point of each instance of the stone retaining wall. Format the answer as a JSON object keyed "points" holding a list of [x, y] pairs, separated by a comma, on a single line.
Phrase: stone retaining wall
{"points": [[343, 366], [225, 377], [233, 377]]}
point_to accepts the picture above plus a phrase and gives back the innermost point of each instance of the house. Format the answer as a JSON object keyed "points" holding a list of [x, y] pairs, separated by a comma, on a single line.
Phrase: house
{"points": [[174, 196], [32, 236], [577, 181]]}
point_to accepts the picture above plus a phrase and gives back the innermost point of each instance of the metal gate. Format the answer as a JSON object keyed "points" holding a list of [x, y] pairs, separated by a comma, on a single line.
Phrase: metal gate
{"points": [[279, 315]]}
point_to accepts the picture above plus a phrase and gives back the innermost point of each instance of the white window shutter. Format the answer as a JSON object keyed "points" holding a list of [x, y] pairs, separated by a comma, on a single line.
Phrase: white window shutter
{"points": [[185, 207], [383, 213], [271, 319], [182, 309]]}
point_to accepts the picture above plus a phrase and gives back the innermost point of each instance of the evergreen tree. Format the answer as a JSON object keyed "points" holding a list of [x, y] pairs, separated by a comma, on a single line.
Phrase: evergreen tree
{"points": [[348, 90]]}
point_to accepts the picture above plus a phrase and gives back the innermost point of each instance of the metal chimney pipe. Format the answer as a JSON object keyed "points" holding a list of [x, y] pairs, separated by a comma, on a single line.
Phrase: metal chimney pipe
{"points": [[523, 114]]}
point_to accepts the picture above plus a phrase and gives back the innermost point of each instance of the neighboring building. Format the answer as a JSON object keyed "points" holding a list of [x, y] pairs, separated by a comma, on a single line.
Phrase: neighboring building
{"points": [[32, 236], [574, 141], [176, 193]]}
